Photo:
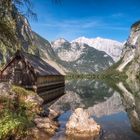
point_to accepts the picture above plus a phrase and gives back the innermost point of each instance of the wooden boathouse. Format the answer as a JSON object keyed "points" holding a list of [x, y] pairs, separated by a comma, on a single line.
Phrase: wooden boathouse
{"points": [[32, 72]]}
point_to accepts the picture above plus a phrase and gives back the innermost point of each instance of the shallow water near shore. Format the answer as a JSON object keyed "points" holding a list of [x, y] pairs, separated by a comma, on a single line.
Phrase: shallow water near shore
{"points": [[110, 107]]}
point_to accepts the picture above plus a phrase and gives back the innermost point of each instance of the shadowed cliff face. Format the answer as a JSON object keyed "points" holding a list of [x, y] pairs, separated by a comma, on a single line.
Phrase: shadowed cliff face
{"points": [[134, 68], [15, 31], [131, 54], [7, 29]]}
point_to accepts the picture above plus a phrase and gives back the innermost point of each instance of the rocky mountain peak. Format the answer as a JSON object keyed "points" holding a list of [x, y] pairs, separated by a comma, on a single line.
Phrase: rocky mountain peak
{"points": [[111, 47], [131, 53], [59, 43], [59, 40], [77, 56], [135, 26], [134, 34]]}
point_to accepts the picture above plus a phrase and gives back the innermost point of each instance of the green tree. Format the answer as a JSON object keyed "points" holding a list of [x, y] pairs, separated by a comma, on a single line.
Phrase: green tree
{"points": [[25, 7]]}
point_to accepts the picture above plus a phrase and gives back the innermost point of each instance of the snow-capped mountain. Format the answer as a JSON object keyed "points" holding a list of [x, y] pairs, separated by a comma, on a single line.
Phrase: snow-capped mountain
{"points": [[111, 47], [79, 57], [67, 51]]}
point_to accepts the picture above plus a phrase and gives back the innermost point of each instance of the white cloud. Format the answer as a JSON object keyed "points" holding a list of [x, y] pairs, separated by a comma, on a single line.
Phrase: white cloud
{"points": [[73, 28], [117, 15], [80, 23], [83, 24]]}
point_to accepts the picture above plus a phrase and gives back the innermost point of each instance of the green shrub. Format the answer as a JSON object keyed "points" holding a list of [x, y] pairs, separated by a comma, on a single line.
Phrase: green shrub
{"points": [[21, 91], [14, 123], [16, 116]]}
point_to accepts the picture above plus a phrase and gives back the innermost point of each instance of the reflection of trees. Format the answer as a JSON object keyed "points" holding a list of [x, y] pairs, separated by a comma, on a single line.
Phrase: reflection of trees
{"points": [[69, 101], [131, 99], [90, 91], [108, 104], [83, 93], [111, 106]]}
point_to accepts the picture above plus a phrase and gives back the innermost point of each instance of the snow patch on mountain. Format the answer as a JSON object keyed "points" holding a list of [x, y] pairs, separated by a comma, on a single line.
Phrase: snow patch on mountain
{"points": [[111, 47], [58, 43], [67, 51], [70, 55], [80, 57]]}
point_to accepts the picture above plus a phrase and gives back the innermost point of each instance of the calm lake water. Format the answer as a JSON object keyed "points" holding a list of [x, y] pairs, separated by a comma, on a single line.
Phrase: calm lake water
{"points": [[116, 109]]}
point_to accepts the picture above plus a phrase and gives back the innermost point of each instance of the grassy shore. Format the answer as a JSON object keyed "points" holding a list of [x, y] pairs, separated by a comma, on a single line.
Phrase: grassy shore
{"points": [[16, 113]]}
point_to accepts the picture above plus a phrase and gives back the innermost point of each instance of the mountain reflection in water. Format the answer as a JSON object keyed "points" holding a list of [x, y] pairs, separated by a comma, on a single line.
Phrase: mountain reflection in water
{"points": [[116, 109]]}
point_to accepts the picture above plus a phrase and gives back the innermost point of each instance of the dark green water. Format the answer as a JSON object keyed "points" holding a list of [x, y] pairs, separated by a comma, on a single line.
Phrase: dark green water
{"points": [[116, 109]]}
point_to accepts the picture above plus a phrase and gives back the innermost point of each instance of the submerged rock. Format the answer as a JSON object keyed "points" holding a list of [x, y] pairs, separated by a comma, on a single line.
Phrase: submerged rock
{"points": [[45, 125], [45, 121], [80, 124], [47, 112], [53, 114]]}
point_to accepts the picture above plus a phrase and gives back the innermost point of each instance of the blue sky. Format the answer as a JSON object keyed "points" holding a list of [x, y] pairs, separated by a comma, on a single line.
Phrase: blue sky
{"points": [[90, 18]]}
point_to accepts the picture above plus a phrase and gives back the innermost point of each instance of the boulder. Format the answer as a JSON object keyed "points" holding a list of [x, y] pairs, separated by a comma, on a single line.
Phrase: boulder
{"points": [[35, 99], [5, 89], [33, 103], [7, 95], [81, 124], [46, 124], [53, 114], [47, 112]]}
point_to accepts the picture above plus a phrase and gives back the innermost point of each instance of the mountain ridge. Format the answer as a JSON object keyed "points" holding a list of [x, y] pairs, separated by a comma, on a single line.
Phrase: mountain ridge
{"points": [[63, 55], [81, 58], [111, 47], [130, 58]]}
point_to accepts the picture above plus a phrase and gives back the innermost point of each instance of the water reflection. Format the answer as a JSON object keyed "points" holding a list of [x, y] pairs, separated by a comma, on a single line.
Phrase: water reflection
{"points": [[131, 102], [116, 109], [83, 93]]}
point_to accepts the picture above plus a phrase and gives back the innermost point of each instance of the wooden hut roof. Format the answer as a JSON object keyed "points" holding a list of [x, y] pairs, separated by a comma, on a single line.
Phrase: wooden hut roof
{"points": [[41, 67]]}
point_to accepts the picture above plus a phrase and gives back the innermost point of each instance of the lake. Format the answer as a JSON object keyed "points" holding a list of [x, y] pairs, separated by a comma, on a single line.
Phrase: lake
{"points": [[114, 106]]}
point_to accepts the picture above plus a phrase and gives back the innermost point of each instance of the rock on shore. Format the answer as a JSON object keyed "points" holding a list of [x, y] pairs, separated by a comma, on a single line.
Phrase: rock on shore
{"points": [[46, 124], [38, 120], [80, 124]]}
